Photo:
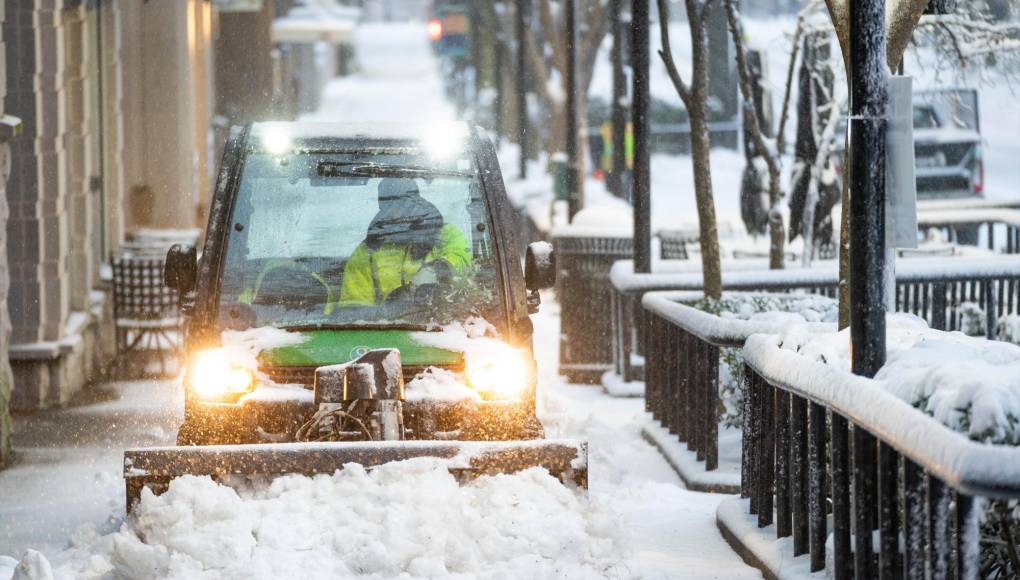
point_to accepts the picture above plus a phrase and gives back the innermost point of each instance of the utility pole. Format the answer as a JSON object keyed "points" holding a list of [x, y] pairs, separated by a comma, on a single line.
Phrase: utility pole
{"points": [[869, 80], [639, 61], [522, 21], [617, 181], [574, 199]]}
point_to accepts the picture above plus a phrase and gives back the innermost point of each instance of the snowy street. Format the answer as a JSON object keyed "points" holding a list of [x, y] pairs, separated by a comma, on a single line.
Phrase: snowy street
{"points": [[509, 290], [64, 496]]}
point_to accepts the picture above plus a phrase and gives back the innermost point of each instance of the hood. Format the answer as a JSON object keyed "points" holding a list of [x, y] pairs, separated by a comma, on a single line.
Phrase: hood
{"points": [[326, 347]]}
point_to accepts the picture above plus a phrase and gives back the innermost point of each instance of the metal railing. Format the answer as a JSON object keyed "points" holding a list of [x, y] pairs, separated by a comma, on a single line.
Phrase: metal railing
{"points": [[821, 443], [953, 221], [682, 381], [933, 289]]}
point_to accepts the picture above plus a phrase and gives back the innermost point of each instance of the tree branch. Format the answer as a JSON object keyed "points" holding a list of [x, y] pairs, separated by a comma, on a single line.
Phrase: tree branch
{"points": [[666, 54], [785, 111], [744, 74]]}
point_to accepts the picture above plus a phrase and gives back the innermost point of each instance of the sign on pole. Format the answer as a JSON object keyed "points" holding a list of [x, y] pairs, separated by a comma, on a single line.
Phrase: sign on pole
{"points": [[900, 178]]}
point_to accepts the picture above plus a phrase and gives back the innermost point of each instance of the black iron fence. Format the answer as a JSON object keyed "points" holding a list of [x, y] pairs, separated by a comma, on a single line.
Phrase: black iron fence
{"points": [[682, 372], [950, 294], [900, 488]]}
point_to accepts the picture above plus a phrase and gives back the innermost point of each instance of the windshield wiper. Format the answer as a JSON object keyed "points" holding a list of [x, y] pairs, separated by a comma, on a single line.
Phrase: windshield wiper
{"points": [[363, 169]]}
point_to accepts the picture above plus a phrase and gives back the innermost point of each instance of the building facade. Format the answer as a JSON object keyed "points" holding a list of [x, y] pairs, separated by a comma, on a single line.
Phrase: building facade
{"points": [[116, 100], [112, 119]]}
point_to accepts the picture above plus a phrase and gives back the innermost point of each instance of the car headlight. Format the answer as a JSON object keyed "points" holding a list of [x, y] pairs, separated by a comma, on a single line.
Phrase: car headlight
{"points": [[213, 377], [506, 376]]}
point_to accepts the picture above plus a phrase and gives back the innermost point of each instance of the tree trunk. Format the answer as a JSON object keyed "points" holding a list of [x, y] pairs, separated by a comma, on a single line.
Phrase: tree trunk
{"points": [[777, 232], [700, 150]]}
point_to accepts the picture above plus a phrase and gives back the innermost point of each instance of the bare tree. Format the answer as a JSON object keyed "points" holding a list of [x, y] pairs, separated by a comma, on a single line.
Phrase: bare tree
{"points": [[695, 100], [769, 151]]}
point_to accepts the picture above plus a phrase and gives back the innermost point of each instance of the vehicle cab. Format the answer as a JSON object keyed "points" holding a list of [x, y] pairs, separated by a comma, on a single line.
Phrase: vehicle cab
{"points": [[357, 238]]}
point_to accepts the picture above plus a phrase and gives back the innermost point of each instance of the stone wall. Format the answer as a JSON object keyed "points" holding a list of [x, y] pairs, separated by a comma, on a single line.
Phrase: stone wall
{"points": [[54, 233], [6, 378]]}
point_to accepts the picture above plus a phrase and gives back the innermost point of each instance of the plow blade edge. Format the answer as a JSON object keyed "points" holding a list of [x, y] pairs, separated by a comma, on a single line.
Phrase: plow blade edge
{"points": [[156, 467]]}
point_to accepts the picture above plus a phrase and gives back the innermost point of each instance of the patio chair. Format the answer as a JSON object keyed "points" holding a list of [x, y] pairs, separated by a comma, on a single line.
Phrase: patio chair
{"points": [[147, 319]]}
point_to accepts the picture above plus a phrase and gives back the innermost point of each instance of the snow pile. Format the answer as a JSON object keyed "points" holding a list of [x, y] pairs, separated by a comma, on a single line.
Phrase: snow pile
{"points": [[543, 253], [435, 384], [409, 519], [243, 347], [476, 338], [971, 385], [777, 308], [1008, 328], [33, 566]]}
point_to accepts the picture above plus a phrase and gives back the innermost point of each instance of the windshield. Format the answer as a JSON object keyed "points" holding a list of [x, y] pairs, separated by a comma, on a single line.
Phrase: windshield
{"points": [[357, 239]]}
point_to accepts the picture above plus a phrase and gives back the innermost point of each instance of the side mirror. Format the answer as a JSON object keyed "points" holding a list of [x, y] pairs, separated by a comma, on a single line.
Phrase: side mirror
{"points": [[180, 271]]}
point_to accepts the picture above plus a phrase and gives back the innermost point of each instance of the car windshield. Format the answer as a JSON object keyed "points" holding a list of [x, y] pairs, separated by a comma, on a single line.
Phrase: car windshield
{"points": [[946, 108], [358, 239]]}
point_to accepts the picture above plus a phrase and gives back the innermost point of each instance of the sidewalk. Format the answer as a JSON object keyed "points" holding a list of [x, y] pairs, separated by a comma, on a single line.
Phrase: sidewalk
{"points": [[68, 462]]}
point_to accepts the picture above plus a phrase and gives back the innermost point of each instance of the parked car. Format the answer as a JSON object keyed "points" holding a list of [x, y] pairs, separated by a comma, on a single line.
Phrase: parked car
{"points": [[947, 144]]}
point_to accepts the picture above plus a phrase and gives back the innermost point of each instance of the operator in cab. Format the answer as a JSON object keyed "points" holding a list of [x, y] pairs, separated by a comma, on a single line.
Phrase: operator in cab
{"points": [[408, 252]]}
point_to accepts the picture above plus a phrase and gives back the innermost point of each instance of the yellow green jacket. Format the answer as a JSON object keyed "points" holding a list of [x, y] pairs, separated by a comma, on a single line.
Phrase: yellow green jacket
{"points": [[394, 267]]}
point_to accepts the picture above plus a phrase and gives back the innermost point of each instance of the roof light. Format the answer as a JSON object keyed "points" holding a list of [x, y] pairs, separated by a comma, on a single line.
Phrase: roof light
{"points": [[276, 141], [443, 141]]}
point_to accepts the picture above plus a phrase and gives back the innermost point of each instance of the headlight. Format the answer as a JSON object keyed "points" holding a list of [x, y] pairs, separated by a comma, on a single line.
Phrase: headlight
{"points": [[213, 377], [507, 376]]}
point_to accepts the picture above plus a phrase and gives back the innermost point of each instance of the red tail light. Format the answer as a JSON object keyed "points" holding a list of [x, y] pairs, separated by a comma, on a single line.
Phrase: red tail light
{"points": [[979, 177], [435, 28]]}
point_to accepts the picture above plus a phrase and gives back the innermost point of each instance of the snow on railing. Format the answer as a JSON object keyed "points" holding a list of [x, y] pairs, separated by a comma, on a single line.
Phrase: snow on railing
{"points": [[953, 294], [908, 471]]}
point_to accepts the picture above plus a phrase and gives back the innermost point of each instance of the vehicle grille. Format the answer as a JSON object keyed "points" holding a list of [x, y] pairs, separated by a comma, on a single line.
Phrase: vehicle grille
{"points": [[306, 375]]}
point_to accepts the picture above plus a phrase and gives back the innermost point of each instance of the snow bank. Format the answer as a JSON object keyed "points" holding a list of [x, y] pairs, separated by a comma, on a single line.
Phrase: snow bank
{"points": [[409, 519], [33, 566]]}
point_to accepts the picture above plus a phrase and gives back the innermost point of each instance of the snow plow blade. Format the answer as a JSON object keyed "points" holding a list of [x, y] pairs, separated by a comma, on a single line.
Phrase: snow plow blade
{"points": [[156, 467]]}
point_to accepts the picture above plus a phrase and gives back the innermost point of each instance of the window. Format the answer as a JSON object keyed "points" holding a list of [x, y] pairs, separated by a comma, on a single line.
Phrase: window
{"points": [[358, 239]]}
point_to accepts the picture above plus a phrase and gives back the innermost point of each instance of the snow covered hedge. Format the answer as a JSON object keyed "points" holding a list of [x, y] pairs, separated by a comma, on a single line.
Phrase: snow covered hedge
{"points": [[777, 309], [969, 384]]}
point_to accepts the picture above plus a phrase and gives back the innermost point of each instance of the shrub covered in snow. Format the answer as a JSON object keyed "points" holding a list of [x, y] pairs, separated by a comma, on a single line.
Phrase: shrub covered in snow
{"points": [[777, 308]]}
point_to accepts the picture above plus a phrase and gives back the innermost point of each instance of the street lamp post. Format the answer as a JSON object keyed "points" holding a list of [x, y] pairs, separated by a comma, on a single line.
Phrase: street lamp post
{"points": [[617, 180], [642, 167], [522, 21], [574, 200], [869, 80]]}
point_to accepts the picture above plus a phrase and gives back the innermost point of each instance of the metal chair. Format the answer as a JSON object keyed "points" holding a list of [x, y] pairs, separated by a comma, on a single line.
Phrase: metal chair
{"points": [[146, 314]]}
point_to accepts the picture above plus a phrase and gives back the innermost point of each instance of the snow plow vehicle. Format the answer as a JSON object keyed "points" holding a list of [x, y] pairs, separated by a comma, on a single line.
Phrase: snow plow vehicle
{"points": [[359, 299]]}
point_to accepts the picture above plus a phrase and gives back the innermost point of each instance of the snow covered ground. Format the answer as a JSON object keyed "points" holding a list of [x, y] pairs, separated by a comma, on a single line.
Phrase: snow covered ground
{"points": [[64, 497]]}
